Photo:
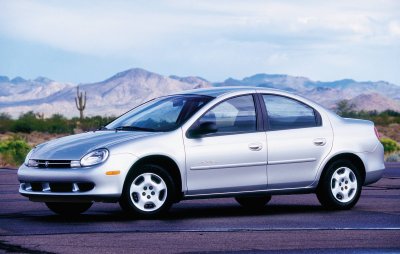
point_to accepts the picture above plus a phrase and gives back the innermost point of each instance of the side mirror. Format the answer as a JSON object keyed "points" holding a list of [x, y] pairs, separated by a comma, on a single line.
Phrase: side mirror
{"points": [[203, 129]]}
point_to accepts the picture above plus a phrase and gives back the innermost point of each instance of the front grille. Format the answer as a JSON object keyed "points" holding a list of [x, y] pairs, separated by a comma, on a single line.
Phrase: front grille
{"points": [[37, 187], [61, 187], [85, 186], [53, 163], [64, 187]]}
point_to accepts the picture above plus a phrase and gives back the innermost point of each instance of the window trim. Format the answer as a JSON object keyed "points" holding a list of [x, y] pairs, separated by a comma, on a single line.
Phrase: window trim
{"points": [[259, 112], [265, 117], [259, 118]]}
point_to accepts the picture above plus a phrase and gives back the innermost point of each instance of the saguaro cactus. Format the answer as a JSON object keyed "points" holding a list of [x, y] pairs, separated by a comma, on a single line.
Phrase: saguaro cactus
{"points": [[80, 102]]}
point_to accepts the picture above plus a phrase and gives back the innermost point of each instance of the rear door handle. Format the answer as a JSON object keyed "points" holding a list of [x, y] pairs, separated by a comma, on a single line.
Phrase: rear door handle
{"points": [[319, 141], [255, 146]]}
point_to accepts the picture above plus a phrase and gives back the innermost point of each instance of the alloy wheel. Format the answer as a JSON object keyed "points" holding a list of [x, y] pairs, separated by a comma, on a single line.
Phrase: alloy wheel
{"points": [[148, 192], [344, 184]]}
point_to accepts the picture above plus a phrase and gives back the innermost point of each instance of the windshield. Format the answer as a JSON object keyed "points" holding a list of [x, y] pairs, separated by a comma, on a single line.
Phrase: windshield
{"points": [[162, 114]]}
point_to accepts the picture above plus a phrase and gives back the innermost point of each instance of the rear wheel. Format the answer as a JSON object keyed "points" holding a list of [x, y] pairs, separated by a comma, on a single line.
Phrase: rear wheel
{"points": [[148, 192], [340, 186], [255, 202], [64, 208]]}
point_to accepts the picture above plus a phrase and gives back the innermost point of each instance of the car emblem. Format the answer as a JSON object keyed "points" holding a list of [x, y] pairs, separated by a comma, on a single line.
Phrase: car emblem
{"points": [[46, 164]]}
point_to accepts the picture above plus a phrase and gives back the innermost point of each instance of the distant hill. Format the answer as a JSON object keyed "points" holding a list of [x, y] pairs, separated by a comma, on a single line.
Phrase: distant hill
{"points": [[129, 88], [328, 93], [112, 96]]}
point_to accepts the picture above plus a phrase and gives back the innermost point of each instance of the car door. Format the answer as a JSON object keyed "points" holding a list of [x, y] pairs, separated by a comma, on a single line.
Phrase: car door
{"points": [[297, 139], [232, 159]]}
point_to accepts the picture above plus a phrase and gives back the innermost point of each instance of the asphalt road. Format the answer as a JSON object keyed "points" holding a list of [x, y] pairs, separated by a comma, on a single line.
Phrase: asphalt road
{"points": [[289, 224]]}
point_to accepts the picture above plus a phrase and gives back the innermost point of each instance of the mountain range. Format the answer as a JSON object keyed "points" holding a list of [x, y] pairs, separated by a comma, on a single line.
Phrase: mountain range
{"points": [[129, 88]]}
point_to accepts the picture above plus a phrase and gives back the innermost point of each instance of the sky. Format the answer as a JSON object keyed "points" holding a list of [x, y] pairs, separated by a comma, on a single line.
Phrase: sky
{"points": [[84, 41]]}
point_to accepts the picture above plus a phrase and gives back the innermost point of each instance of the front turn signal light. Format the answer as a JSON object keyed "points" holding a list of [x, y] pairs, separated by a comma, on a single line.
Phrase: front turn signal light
{"points": [[113, 173]]}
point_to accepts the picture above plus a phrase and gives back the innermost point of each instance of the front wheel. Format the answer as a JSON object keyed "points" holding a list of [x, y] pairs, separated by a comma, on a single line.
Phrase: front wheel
{"points": [[66, 208], [340, 187], [148, 192]]}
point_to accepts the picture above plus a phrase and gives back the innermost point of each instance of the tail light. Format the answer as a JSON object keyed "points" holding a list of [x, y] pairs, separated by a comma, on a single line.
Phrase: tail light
{"points": [[377, 133]]}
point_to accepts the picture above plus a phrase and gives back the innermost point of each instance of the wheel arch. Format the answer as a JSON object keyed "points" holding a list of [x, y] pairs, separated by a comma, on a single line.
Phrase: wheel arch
{"points": [[353, 158], [163, 161]]}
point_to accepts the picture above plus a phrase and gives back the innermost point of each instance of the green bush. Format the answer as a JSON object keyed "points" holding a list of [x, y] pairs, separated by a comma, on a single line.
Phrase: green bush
{"points": [[14, 150], [390, 145]]}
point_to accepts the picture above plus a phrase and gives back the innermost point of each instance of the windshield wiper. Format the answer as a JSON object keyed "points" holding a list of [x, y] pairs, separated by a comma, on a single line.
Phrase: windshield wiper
{"points": [[102, 128], [133, 128]]}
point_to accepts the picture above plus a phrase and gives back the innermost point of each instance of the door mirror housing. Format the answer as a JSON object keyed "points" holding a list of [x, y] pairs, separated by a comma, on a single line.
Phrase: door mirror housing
{"points": [[203, 129]]}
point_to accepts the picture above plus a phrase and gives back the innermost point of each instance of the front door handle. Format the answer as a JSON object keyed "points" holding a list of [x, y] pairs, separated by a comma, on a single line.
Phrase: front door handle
{"points": [[319, 141], [255, 146]]}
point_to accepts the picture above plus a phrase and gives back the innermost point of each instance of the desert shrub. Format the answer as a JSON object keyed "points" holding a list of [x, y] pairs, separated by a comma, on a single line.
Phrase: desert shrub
{"points": [[14, 150], [58, 124], [5, 122], [27, 123], [94, 122], [390, 145], [345, 109], [395, 157]]}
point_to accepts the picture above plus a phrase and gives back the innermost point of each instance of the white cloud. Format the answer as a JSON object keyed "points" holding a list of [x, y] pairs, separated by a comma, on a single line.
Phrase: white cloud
{"points": [[99, 30], [114, 27], [394, 28], [226, 36]]}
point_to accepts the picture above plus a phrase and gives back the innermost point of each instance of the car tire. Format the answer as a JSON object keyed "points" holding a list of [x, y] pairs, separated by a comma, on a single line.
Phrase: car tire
{"points": [[66, 208], [340, 186], [254, 202], [148, 192]]}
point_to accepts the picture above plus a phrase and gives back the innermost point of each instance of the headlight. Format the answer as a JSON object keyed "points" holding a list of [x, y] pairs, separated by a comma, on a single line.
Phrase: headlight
{"points": [[95, 157], [28, 156]]}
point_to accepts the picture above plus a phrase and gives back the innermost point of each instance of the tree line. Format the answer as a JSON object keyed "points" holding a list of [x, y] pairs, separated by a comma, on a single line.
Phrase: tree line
{"points": [[59, 124], [346, 109], [56, 124], [14, 149]]}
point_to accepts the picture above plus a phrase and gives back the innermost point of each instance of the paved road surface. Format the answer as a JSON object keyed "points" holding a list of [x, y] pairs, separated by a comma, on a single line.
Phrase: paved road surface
{"points": [[289, 224]]}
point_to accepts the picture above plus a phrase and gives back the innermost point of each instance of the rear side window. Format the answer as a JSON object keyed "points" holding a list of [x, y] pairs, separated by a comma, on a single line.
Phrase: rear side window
{"points": [[285, 113]]}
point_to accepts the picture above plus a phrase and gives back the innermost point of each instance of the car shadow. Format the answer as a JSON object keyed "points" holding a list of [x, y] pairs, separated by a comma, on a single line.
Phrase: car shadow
{"points": [[186, 212]]}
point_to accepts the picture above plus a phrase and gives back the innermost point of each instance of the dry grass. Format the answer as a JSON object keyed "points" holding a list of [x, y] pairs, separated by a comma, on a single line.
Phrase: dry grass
{"points": [[5, 164], [33, 138], [391, 131]]}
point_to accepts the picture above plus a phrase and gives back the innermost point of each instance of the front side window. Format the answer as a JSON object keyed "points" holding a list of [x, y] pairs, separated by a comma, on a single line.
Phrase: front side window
{"points": [[162, 114], [236, 115], [285, 113]]}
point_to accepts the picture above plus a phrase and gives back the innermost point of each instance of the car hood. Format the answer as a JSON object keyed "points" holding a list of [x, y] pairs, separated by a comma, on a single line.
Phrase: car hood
{"points": [[74, 147]]}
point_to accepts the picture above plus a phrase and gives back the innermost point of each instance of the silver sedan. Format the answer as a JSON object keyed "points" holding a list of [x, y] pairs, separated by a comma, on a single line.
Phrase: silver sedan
{"points": [[241, 142]]}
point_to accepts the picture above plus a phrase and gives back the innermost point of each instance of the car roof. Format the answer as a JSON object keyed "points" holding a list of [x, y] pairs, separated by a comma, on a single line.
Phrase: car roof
{"points": [[218, 91]]}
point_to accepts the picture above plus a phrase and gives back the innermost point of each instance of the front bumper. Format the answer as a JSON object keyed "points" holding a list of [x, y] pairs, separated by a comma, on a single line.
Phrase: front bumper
{"points": [[84, 184]]}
